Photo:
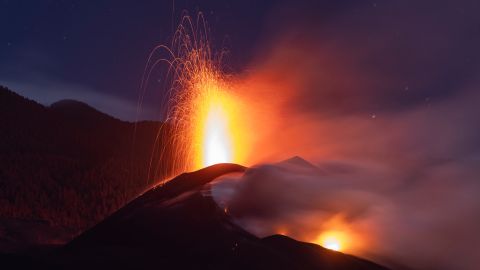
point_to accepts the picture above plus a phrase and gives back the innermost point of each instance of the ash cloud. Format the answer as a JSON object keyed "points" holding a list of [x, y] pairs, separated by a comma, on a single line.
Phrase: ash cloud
{"points": [[383, 98]]}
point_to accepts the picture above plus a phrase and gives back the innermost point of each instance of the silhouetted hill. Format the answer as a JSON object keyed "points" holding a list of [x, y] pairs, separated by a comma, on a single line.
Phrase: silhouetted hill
{"points": [[77, 110], [68, 165], [179, 226]]}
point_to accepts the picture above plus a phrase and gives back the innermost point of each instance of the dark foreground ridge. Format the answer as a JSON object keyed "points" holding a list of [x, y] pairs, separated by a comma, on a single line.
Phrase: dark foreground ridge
{"points": [[179, 226]]}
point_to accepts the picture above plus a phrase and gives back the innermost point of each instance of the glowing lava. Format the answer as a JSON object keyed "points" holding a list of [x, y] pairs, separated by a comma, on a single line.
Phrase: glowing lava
{"points": [[215, 135], [334, 240], [217, 141]]}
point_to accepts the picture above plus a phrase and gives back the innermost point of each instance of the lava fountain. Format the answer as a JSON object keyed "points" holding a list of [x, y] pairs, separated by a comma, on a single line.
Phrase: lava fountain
{"points": [[201, 112], [214, 134], [214, 123]]}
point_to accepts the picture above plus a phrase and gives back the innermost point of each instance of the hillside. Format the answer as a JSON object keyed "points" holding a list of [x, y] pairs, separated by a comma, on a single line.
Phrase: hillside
{"points": [[66, 166]]}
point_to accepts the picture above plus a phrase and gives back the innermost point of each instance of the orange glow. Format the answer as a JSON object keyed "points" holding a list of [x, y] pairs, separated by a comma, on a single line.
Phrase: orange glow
{"points": [[339, 235], [216, 129], [334, 240], [212, 117], [216, 144]]}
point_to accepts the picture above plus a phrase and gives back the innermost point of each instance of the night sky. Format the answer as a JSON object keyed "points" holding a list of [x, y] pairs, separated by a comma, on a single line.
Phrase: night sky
{"points": [[95, 51]]}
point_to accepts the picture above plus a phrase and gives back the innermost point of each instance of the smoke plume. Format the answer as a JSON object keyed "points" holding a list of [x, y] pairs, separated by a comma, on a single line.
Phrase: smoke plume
{"points": [[383, 100]]}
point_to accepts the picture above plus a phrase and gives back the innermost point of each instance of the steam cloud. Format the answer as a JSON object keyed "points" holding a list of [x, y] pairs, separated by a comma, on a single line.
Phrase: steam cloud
{"points": [[424, 219], [384, 100]]}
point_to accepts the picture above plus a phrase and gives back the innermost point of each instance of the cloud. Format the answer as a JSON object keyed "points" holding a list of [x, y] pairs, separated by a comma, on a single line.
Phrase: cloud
{"points": [[429, 223]]}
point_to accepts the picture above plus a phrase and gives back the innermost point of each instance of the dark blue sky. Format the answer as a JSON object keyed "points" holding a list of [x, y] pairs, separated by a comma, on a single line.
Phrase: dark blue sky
{"points": [[95, 51]]}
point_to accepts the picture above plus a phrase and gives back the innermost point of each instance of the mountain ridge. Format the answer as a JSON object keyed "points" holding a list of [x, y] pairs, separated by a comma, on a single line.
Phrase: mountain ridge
{"points": [[55, 167], [75, 109]]}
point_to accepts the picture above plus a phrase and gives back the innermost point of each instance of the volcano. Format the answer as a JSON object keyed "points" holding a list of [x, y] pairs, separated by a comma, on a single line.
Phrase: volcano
{"points": [[175, 225], [178, 225]]}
